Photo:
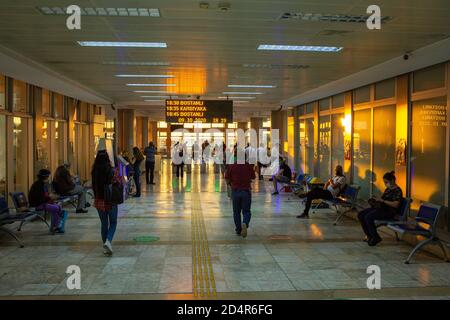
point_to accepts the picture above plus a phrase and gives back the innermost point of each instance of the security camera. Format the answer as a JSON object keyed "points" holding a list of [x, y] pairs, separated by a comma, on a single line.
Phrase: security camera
{"points": [[198, 97], [406, 56]]}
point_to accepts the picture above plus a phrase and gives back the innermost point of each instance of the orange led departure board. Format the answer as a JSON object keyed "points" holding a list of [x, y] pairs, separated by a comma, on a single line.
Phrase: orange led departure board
{"points": [[204, 111]]}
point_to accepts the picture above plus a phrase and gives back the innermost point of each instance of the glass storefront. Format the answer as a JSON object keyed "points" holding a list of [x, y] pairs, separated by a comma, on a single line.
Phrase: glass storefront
{"points": [[324, 147], [19, 96], [2, 92], [429, 147], [309, 146], [3, 189], [383, 146], [361, 151], [20, 154], [337, 140], [43, 146]]}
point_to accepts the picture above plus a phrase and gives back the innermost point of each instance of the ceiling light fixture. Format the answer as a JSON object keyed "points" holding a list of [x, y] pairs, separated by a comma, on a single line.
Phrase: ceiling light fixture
{"points": [[151, 84], [110, 12], [144, 76], [299, 48], [249, 86], [131, 63], [242, 92], [230, 98], [122, 44], [146, 91]]}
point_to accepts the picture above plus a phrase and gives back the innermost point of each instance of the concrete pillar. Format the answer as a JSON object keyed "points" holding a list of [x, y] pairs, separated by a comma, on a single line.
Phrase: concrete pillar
{"points": [[256, 123], [153, 131], [145, 140], [278, 121], [126, 130]]}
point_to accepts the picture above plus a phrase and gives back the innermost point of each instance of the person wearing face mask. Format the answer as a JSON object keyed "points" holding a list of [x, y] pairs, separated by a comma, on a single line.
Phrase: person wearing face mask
{"points": [[383, 208]]}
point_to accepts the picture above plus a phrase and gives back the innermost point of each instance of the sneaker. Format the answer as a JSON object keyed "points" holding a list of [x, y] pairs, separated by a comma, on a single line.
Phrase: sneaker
{"points": [[107, 246], [303, 216], [244, 230], [81, 211], [106, 253], [275, 193]]}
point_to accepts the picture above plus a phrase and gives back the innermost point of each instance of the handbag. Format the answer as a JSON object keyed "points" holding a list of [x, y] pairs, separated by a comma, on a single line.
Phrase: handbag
{"points": [[117, 196]]}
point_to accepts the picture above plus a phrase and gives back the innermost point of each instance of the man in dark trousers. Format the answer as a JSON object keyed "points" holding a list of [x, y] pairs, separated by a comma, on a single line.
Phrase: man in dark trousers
{"points": [[239, 176], [150, 152]]}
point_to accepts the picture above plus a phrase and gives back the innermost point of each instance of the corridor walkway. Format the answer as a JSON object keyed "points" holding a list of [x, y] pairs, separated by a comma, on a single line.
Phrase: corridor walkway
{"points": [[196, 254]]}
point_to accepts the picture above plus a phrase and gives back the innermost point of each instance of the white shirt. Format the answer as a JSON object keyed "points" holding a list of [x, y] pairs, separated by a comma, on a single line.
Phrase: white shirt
{"points": [[337, 180]]}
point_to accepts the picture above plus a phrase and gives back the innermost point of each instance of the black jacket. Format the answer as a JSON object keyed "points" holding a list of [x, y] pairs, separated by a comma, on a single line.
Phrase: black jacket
{"points": [[38, 194]]}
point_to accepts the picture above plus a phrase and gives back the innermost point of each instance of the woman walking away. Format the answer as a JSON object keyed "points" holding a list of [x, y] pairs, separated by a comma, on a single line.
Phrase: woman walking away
{"points": [[41, 198], [103, 175], [383, 208], [138, 158]]}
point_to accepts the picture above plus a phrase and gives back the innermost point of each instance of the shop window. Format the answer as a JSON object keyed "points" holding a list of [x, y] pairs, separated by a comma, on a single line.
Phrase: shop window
{"points": [[58, 105], [362, 173], [429, 78], [309, 146], [338, 101], [20, 100], [385, 89], [337, 140], [310, 108], [20, 154], [429, 147], [384, 121], [324, 104], [59, 142], [302, 133], [43, 146], [46, 106], [324, 147], [2, 92], [361, 95], [3, 189]]}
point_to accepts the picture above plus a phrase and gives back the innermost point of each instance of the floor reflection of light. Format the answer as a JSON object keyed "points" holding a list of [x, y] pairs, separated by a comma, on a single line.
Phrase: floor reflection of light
{"points": [[424, 275], [316, 231]]}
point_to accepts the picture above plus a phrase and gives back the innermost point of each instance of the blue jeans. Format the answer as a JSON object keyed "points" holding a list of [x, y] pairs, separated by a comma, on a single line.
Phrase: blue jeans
{"points": [[109, 223], [242, 202]]}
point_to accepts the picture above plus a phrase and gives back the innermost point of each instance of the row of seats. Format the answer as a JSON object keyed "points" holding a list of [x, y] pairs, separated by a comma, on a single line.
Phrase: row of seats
{"points": [[424, 224], [24, 213]]}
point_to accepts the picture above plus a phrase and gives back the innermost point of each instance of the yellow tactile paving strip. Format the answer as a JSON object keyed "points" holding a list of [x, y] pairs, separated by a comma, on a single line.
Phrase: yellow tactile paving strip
{"points": [[203, 283]]}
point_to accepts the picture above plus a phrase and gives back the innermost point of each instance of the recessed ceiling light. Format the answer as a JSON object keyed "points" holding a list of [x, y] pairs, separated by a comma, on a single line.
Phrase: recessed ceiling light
{"points": [[249, 98], [157, 97], [151, 84], [249, 86], [299, 48], [112, 12], [122, 44], [146, 91], [131, 63], [242, 92], [144, 76]]}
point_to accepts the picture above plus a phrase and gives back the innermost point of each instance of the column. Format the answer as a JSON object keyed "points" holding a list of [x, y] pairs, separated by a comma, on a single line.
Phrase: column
{"points": [[126, 130], [278, 121]]}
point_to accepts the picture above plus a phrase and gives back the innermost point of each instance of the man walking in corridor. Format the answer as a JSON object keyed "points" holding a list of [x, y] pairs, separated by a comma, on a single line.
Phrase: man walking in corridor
{"points": [[239, 176]]}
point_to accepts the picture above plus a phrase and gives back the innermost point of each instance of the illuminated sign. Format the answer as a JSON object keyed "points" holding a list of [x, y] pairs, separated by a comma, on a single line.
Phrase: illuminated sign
{"points": [[203, 111]]}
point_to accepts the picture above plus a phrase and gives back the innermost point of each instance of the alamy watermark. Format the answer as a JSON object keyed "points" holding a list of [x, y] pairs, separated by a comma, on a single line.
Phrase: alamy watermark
{"points": [[374, 280], [73, 281]]}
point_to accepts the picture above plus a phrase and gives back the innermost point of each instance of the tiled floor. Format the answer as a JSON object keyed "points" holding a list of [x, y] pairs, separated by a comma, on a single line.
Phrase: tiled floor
{"points": [[199, 256]]}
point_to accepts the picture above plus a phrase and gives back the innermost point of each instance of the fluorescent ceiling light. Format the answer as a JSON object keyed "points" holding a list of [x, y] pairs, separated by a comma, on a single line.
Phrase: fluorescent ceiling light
{"points": [[151, 84], [122, 44], [144, 76], [242, 92], [249, 86], [231, 98], [111, 12], [146, 91], [299, 48], [131, 63], [156, 97]]}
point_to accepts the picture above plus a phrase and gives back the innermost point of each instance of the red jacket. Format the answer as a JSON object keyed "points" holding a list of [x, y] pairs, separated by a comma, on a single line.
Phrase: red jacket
{"points": [[240, 176]]}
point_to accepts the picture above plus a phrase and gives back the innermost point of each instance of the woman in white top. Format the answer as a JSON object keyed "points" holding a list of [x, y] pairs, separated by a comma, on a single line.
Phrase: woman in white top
{"points": [[331, 190]]}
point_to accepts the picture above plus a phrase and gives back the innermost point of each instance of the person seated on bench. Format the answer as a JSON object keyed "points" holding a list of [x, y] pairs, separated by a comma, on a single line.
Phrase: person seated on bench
{"points": [[284, 175], [41, 199], [383, 208], [331, 190], [65, 185]]}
